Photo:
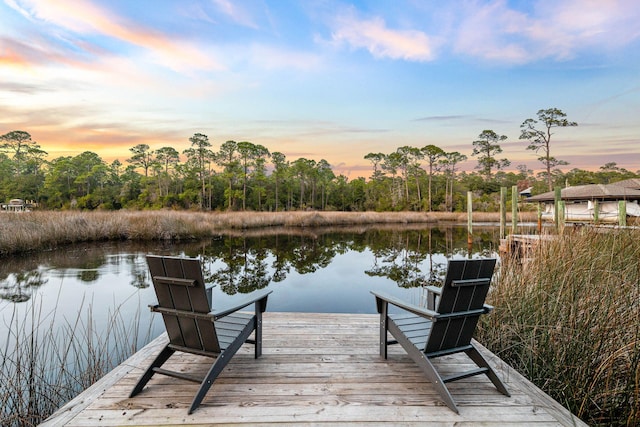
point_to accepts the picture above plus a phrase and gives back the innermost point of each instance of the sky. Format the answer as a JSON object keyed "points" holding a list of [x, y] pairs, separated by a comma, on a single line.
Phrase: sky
{"points": [[325, 79]]}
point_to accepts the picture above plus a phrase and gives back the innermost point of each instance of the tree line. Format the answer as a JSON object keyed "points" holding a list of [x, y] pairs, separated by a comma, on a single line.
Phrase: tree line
{"points": [[247, 176]]}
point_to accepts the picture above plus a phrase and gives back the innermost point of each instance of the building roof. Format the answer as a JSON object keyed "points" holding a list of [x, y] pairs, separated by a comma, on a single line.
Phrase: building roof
{"points": [[629, 183], [590, 192], [526, 192]]}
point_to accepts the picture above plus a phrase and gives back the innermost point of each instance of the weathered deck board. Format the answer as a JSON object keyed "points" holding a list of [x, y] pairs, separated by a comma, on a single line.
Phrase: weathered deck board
{"points": [[316, 369]]}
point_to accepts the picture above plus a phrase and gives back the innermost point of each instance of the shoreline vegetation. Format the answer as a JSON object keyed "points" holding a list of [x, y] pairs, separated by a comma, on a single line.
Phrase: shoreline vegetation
{"points": [[46, 230], [568, 318], [44, 367]]}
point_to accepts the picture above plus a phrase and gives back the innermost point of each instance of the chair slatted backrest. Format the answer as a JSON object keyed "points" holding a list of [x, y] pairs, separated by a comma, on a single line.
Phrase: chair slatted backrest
{"points": [[465, 289], [180, 288]]}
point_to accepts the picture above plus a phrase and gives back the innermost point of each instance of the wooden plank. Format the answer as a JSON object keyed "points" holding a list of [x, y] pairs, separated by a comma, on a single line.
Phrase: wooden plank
{"points": [[315, 370], [229, 389], [329, 410]]}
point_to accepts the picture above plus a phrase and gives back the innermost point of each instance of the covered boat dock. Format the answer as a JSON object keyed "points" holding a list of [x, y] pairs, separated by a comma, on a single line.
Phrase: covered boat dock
{"points": [[596, 203]]}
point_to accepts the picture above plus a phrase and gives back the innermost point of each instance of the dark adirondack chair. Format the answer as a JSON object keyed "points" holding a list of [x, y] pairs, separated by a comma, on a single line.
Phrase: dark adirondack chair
{"points": [[445, 326], [191, 325]]}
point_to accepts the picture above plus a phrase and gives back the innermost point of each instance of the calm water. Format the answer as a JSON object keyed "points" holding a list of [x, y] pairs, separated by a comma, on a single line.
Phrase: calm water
{"points": [[319, 270]]}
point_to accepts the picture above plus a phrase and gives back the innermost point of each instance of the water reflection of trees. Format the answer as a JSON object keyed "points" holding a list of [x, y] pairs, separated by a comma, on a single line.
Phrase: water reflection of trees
{"points": [[18, 287], [400, 258], [20, 276], [236, 264], [245, 263], [241, 263]]}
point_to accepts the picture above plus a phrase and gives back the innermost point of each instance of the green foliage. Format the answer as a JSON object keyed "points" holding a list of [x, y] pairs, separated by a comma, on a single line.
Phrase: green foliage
{"points": [[538, 134], [486, 147], [246, 176]]}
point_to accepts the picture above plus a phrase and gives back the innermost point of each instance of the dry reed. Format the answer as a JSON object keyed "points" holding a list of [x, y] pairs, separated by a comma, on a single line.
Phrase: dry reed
{"points": [[568, 318], [45, 366], [23, 232]]}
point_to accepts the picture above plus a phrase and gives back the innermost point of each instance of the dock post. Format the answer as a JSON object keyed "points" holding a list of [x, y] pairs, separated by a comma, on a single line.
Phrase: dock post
{"points": [[469, 221], [514, 209], [556, 207], [539, 217], [622, 213], [503, 211]]}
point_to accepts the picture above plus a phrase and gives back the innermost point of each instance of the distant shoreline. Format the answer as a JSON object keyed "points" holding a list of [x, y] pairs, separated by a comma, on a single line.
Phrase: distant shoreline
{"points": [[42, 230]]}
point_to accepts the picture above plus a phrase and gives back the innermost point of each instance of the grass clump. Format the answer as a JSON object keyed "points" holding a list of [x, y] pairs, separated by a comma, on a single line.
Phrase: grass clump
{"points": [[44, 366], [568, 318]]}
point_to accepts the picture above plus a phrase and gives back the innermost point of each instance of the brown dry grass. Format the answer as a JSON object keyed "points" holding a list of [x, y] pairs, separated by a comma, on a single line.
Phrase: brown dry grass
{"points": [[23, 232]]}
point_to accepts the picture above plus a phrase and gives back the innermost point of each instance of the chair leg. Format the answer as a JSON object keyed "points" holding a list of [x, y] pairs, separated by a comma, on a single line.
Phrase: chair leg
{"points": [[432, 374], [258, 334], [164, 355], [425, 365], [475, 355], [221, 361], [384, 322]]}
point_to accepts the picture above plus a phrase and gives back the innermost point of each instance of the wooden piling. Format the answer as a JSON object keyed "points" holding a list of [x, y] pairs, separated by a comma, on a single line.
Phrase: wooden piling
{"points": [[503, 211], [469, 220], [556, 207], [539, 218], [514, 209], [622, 213]]}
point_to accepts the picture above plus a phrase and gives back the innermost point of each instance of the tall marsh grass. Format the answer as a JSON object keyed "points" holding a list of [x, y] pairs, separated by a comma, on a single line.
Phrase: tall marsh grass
{"points": [[23, 232], [568, 318], [46, 363]]}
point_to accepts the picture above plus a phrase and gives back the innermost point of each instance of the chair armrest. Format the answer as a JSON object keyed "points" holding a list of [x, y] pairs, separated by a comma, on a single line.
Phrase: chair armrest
{"points": [[433, 292], [434, 289], [181, 313], [415, 309], [256, 298]]}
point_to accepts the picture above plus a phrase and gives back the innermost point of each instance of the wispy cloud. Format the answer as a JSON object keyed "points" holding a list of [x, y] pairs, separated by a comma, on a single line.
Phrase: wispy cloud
{"points": [[495, 30], [21, 88], [490, 31], [587, 24], [13, 53], [375, 36], [236, 12], [559, 30], [89, 19], [441, 118]]}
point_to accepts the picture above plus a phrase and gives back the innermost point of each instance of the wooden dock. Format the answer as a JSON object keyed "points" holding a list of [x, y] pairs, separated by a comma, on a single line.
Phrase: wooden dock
{"points": [[316, 369], [522, 245]]}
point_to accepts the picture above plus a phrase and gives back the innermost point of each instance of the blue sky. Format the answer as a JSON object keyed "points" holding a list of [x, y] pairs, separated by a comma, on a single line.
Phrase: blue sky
{"points": [[325, 79]]}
